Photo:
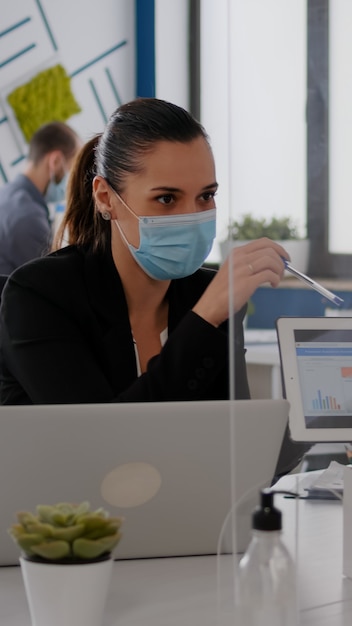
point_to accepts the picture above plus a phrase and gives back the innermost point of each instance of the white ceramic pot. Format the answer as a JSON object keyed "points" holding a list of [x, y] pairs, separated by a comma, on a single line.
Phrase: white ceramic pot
{"points": [[66, 595], [298, 250]]}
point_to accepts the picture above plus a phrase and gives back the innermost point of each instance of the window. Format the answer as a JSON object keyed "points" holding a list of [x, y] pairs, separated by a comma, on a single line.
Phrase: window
{"points": [[276, 97], [329, 137]]}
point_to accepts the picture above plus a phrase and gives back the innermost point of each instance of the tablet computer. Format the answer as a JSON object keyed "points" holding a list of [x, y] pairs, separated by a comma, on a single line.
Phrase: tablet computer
{"points": [[316, 363]]}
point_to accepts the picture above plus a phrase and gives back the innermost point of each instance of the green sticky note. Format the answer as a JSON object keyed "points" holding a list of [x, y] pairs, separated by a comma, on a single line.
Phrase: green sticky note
{"points": [[47, 97]]}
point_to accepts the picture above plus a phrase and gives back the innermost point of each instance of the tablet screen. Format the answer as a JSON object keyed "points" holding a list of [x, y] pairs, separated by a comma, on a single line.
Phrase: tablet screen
{"points": [[324, 360], [316, 363]]}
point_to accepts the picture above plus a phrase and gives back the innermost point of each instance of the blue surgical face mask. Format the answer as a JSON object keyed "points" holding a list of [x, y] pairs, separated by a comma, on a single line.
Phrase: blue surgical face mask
{"points": [[172, 246], [56, 192]]}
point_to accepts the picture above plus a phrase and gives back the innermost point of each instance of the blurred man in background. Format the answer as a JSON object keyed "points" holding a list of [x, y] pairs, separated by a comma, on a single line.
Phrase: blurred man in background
{"points": [[25, 226]]}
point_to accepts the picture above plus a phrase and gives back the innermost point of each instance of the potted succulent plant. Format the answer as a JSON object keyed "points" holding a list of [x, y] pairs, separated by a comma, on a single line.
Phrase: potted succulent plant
{"points": [[66, 562], [282, 230]]}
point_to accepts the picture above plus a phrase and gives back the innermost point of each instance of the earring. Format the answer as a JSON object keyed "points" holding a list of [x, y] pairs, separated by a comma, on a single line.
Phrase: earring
{"points": [[106, 215]]}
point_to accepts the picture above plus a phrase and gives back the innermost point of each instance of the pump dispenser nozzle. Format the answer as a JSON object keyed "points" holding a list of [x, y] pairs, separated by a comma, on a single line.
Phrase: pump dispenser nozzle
{"points": [[266, 516]]}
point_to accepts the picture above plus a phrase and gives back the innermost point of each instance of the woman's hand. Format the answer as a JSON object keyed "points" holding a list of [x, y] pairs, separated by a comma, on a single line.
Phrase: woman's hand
{"points": [[245, 269]]}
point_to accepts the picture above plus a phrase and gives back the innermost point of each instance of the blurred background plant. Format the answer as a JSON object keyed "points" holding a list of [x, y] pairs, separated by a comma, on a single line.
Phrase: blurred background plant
{"points": [[248, 227]]}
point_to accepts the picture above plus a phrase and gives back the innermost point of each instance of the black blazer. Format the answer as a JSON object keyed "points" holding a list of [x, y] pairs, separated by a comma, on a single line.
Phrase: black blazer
{"points": [[66, 338]]}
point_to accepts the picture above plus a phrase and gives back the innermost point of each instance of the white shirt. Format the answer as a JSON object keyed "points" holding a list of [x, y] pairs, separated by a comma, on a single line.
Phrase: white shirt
{"points": [[163, 337]]}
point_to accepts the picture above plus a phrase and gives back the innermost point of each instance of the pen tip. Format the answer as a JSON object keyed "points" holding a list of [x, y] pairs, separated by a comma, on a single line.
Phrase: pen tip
{"points": [[338, 300]]}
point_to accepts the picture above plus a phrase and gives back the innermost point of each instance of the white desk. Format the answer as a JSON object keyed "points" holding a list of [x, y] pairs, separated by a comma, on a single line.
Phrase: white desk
{"points": [[262, 352], [265, 356], [183, 591]]}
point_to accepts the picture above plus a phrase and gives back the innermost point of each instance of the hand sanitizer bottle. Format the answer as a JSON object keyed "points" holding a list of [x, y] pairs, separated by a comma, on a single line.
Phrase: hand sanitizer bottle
{"points": [[266, 578]]}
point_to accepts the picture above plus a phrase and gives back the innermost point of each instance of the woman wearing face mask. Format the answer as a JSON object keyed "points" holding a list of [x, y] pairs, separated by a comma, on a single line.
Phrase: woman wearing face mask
{"points": [[124, 313]]}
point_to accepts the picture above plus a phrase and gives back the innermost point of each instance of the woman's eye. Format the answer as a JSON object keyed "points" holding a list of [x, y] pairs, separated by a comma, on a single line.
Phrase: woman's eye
{"points": [[209, 195], [166, 199]]}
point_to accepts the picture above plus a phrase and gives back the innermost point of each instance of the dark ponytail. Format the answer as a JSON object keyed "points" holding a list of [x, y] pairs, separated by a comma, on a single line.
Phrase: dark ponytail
{"points": [[81, 224]]}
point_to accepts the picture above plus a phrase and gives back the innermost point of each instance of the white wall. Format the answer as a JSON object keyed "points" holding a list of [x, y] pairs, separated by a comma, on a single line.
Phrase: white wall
{"points": [[253, 106], [171, 51], [86, 35]]}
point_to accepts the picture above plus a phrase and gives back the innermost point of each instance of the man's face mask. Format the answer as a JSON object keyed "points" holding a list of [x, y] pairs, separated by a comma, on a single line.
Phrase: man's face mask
{"points": [[56, 192]]}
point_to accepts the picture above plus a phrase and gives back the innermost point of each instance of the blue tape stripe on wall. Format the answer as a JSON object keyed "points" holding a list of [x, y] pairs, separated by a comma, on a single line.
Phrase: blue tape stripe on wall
{"points": [[145, 52]]}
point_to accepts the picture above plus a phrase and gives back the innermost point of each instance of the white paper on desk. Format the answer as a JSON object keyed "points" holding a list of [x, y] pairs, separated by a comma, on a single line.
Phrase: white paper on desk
{"points": [[331, 479]]}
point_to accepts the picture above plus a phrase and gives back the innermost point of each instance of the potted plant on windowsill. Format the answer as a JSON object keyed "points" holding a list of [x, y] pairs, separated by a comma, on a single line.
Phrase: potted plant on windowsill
{"points": [[66, 562], [283, 230]]}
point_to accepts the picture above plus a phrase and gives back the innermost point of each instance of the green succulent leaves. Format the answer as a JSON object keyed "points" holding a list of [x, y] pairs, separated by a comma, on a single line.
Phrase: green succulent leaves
{"points": [[66, 532]]}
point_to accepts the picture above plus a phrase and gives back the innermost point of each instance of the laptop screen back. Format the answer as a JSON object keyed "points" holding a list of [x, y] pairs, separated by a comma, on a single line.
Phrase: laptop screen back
{"points": [[164, 467]]}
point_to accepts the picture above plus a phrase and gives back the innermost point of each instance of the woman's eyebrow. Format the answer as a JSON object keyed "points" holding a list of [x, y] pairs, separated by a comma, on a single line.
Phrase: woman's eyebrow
{"points": [[176, 189], [164, 188], [212, 186]]}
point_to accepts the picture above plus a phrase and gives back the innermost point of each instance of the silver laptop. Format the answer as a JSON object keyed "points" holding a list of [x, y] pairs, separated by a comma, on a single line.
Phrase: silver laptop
{"points": [[164, 467]]}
